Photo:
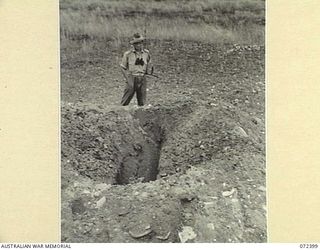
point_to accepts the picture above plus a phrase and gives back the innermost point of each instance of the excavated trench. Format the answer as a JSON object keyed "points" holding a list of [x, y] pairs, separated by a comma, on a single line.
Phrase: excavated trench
{"points": [[119, 146], [142, 166], [154, 124]]}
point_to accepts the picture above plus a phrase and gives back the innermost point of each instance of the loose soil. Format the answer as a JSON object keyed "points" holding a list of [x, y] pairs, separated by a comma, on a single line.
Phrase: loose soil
{"points": [[189, 167]]}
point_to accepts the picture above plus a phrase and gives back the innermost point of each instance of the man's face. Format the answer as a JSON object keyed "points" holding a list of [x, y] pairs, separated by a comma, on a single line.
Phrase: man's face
{"points": [[137, 46]]}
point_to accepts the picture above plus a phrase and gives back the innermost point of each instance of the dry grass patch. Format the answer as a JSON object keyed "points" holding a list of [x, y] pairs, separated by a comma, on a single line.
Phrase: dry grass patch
{"points": [[215, 21]]}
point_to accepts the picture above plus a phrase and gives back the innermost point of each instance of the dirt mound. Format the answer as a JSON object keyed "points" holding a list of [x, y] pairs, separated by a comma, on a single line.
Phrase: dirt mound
{"points": [[109, 146]]}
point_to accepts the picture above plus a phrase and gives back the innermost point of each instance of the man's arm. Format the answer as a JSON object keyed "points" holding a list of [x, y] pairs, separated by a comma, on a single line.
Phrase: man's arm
{"points": [[124, 66], [124, 73], [149, 68]]}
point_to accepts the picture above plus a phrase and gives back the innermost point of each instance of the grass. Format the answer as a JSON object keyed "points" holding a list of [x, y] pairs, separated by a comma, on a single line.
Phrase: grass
{"points": [[223, 6], [215, 21]]}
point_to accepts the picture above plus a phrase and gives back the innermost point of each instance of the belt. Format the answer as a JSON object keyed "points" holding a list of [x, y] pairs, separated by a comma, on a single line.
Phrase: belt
{"points": [[136, 75]]}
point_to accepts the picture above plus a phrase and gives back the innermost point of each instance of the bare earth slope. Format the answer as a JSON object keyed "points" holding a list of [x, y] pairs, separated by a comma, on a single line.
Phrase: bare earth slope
{"points": [[188, 168]]}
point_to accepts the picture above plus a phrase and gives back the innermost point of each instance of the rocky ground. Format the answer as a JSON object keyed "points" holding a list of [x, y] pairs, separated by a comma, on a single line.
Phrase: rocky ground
{"points": [[187, 167]]}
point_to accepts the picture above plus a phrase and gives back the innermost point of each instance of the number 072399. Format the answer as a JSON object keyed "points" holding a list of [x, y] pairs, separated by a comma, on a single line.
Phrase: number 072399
{"points": [[308, 245]]}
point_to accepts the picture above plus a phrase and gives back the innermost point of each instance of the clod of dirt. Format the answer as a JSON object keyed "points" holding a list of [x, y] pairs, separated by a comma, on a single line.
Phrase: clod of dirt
{"points": [[183, 194], [101, 202], [77, 206], [187, 234], [165, 237]]}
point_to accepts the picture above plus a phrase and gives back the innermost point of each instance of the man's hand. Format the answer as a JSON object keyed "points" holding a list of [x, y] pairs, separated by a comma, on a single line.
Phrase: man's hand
{"points": [[151, 73], [128, 77]]}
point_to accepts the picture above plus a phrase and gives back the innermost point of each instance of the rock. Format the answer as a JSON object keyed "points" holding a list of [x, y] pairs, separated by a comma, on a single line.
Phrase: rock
{"points": [[211, 226], [183, 194], [97, 194], [188, 216], [123, 212], [187, 234], [99, 139], [165, 237], [144, 195], [103, 186], [240, 131], [86, 191], [262, 188], [123, 209], [137, 233], [146, 232], [162, 196], [257, 120], [228, 193], [101, 202], [209, 203]]}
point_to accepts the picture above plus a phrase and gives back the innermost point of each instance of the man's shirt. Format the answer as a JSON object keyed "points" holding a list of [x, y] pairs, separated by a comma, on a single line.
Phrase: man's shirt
{"points": [[136, 62]]}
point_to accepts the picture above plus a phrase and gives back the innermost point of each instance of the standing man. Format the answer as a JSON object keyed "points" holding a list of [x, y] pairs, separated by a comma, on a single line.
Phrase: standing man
{"points": [[134, 67]]}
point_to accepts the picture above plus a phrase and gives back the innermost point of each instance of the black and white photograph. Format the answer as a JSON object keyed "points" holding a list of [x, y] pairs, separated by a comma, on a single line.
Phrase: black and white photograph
{"points": [[163, 121]]}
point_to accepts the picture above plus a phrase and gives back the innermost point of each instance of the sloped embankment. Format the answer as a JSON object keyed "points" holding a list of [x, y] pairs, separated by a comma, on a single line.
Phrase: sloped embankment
{"points": [[188, 172]]}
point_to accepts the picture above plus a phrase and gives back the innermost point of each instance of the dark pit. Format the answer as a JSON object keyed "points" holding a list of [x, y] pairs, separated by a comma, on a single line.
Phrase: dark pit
{"points": [[142, 166]]}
